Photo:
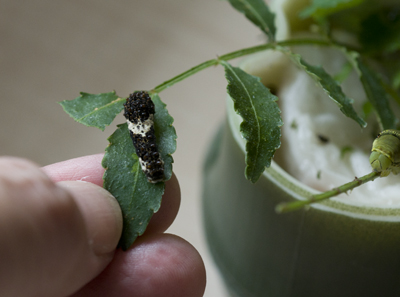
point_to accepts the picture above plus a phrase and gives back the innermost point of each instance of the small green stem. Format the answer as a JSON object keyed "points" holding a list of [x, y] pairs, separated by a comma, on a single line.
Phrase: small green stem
{"points": [[184, 75], [305, 41], [237, 54], [291, 206]]}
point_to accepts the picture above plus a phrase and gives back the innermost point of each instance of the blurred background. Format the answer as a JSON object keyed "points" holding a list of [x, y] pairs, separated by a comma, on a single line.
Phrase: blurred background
{"points": [[51, 50]]}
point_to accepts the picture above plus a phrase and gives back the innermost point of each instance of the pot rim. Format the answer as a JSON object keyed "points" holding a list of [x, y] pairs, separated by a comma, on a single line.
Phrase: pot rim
{"points": [[300, 191]]}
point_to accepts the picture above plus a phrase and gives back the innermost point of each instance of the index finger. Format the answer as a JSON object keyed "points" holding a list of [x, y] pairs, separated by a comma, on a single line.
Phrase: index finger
{"points": [[89, 169]]}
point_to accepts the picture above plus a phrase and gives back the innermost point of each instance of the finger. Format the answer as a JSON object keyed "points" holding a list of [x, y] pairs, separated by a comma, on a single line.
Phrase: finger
{"points": [[99, 211], [49, 243], [158, 265], [89, 169], [170, 203]]}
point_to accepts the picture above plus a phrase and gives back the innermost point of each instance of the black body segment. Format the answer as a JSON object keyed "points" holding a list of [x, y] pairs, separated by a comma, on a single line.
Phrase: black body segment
{"points": [[139, 113]]}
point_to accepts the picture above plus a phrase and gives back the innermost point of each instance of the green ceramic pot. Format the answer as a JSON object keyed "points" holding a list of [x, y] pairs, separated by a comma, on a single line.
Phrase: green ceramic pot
{"points": [[331, 249]]}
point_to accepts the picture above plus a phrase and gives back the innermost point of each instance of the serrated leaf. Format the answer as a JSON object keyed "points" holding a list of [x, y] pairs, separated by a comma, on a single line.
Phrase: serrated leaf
{"points": [[124, 179], [165, 134], [322, 8], [261, 119], [376, 94], [259, 14], [94, 110], [330, 86]]}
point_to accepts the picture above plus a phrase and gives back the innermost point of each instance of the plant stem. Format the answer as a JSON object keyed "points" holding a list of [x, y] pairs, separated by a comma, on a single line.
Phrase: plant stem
{"points": [[184, 75], [291, 206], [237, 54]]}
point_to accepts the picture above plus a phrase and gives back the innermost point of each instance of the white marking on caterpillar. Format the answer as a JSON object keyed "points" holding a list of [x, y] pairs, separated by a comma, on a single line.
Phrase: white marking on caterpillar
{"points": [[143, 127], [139, 114]]}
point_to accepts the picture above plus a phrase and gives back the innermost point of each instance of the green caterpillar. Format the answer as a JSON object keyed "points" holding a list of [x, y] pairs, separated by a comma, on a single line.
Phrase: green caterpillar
{"points": [[385, 153]]}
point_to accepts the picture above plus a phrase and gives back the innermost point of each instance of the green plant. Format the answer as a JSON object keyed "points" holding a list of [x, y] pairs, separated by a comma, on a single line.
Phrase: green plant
{"points": [[254, 102]]}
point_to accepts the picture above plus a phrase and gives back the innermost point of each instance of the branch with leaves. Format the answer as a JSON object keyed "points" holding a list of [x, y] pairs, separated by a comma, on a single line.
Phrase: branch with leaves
{"points": [[254, 102]]}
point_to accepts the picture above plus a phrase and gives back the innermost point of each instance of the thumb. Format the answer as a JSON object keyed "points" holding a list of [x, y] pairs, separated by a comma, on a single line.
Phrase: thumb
{"points": [[54, 238]]}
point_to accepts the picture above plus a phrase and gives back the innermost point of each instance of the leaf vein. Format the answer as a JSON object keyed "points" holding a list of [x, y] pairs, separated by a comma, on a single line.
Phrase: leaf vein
{"points": [[256, 14], [97, 109], [255, 113], [136, 171]]}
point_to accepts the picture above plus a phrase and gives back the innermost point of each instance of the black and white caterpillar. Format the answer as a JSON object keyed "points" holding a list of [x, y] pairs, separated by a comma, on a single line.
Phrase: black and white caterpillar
{"points": [[139, 113]]}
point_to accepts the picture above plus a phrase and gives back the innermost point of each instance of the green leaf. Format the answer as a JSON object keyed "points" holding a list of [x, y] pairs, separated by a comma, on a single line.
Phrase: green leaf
{"points": [[124, 179], [376, 94], [380, 31], [259, 14], [367, 109], [390, 91], [322, 8], [165, 134], [330, 86], [261, 119], [94, 110]]}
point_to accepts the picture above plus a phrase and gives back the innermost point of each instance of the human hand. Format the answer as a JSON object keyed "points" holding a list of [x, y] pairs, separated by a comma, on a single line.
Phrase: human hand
{"points": [[58, 237]]}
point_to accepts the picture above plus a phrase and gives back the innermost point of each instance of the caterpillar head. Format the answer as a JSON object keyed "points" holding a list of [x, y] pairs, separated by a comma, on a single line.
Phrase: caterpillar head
{"points": [[380, 163], [385, 155]]}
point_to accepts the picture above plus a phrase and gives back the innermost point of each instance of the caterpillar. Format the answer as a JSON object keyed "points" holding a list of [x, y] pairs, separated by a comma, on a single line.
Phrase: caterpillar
{"points": [[139, 113], [385, 153]]}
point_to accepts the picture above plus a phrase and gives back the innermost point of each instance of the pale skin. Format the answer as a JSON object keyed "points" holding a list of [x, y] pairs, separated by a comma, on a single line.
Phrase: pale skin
{"points": [[59, 230]]}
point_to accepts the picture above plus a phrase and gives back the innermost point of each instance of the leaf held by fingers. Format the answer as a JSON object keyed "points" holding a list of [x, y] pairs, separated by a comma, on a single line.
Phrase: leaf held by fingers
{"points": [[125, 180]]}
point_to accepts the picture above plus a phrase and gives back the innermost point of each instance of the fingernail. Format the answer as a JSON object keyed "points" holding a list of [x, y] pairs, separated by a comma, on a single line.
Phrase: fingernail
{"points": [[101, 213]]}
